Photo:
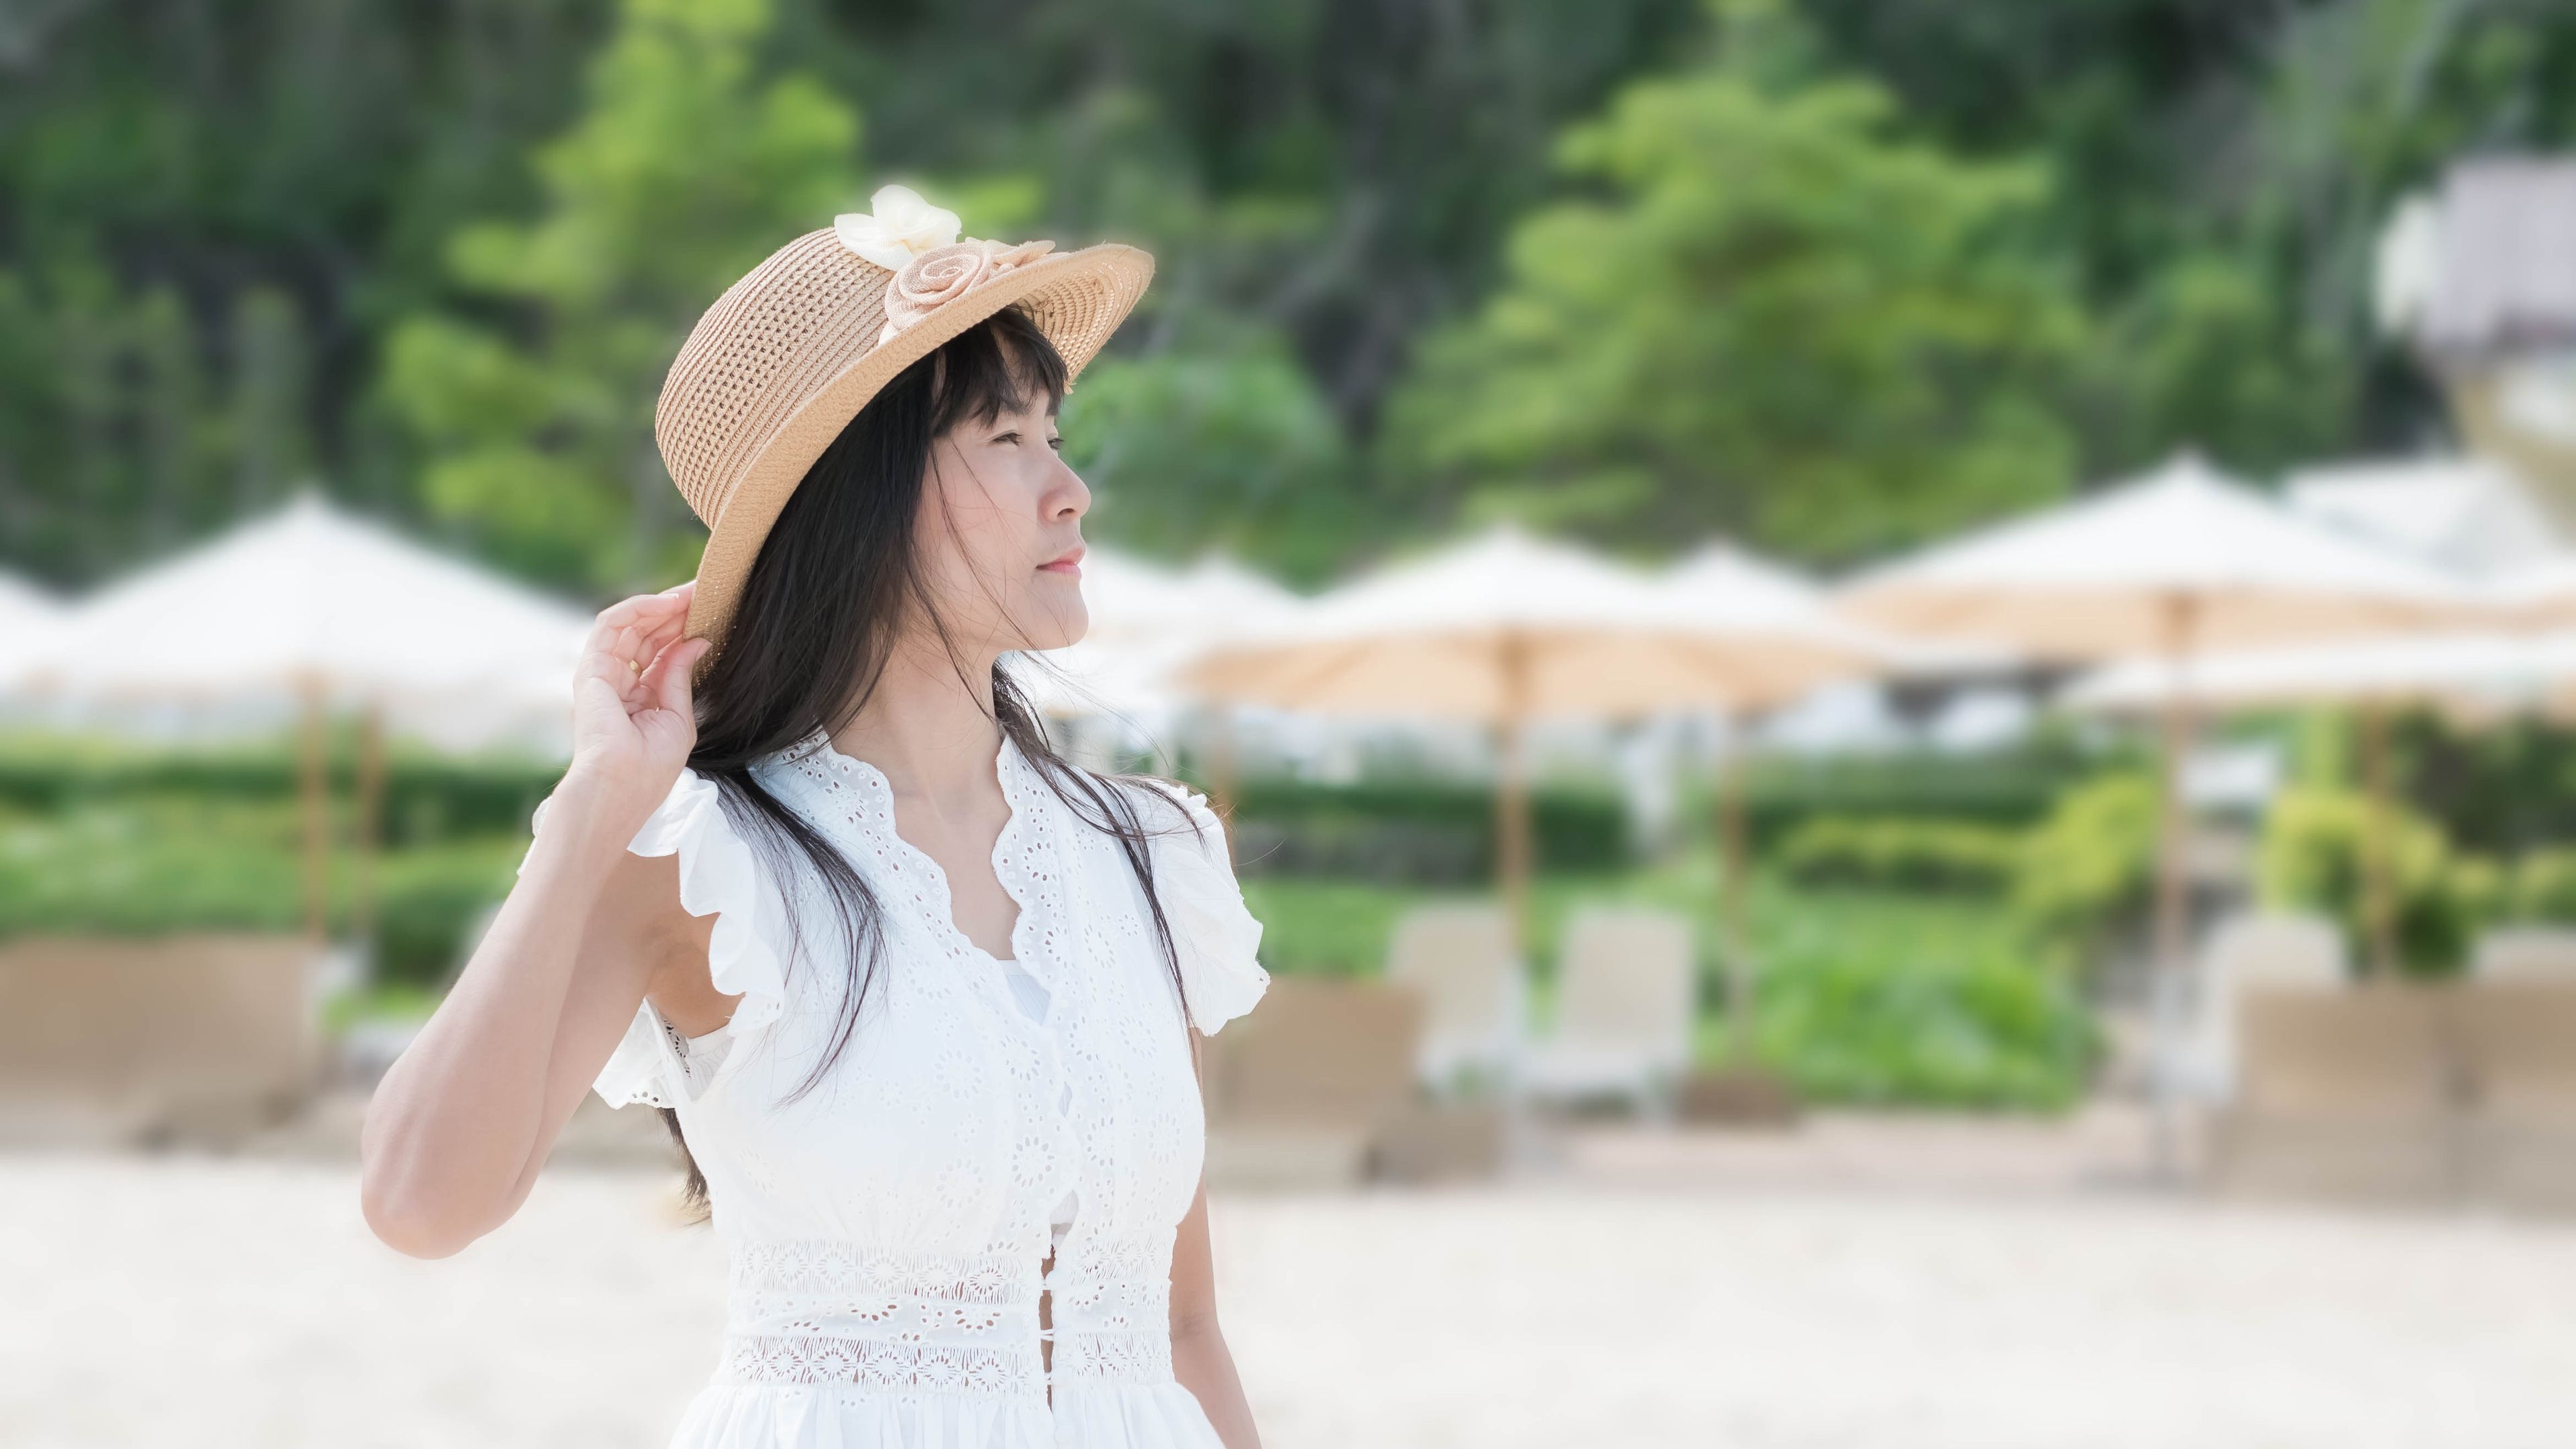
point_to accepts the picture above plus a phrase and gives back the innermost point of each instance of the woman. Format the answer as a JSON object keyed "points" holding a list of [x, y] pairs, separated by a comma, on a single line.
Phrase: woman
{"points": [[918, 997]]}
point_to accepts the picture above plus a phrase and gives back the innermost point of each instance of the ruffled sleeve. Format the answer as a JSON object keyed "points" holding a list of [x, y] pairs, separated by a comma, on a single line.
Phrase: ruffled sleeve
{"points": [[1217, 938], [720, 875]]}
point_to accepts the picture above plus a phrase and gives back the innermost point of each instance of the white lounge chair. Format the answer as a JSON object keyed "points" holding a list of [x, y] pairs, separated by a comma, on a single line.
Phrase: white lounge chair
{"points": [[2525, 953], [1623, 1010], [1459, 959], [2247, 953]]}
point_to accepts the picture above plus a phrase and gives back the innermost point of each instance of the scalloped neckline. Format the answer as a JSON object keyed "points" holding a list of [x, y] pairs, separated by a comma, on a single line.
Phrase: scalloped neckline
{"points": [[941, 910]]}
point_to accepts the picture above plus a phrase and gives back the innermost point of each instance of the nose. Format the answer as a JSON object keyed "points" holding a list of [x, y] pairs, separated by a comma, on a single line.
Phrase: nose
{"points": [[1070, 497]]}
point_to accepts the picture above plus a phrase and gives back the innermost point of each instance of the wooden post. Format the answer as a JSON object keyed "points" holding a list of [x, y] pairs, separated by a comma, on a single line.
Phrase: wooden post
{"points": [[2378, 884], [2170, 973], [313, 796]]}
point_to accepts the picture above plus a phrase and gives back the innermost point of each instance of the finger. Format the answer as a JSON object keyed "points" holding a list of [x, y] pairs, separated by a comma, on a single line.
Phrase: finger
{"points": [[646, 692], [627, 645], [642, 606], [671, 675]]}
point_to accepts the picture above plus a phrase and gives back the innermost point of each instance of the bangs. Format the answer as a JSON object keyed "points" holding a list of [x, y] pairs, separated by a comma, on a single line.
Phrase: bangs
{"points": [[999, 365]]}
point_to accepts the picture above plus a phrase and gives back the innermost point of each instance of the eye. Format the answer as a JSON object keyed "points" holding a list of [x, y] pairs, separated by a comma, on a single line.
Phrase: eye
{"points": [[1056, 441], [1012, 438]]}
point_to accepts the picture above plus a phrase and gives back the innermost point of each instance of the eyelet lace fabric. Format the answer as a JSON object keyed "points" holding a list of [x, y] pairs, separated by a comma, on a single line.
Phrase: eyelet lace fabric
{"points": [[888, 1218]]}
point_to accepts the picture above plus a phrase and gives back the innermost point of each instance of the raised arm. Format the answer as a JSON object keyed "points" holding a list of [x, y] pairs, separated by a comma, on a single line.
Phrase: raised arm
{"points": [[459, 1126]]}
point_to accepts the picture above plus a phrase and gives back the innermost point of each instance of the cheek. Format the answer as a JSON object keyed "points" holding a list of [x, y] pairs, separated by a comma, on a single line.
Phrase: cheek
{"points": [[978, 541]]}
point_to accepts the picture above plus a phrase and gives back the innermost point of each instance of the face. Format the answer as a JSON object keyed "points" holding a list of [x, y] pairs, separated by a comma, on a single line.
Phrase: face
{"points": [[1001, 532]]}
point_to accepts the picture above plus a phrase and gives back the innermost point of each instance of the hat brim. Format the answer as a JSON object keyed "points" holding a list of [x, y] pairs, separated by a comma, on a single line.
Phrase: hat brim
{"points": [[1076, 298]]}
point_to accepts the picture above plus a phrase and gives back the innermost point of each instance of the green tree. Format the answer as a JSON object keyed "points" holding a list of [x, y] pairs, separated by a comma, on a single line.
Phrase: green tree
{"points": [[1773, 314], [1225, 445], [534, 397]]}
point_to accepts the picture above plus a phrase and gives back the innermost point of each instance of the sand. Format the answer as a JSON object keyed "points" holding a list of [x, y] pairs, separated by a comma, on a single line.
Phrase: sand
{"points": [[177, 1302]]}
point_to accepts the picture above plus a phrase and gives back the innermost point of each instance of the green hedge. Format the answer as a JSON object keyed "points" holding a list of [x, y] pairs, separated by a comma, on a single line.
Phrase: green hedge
{"points": [[427, 798], [1781, 794], [1867, 1006], [1427, 832], [1947, 857]]}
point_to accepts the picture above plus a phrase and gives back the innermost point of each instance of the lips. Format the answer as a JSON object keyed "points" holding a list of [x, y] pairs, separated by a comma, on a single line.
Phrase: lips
{"points": [[1068, 562]]}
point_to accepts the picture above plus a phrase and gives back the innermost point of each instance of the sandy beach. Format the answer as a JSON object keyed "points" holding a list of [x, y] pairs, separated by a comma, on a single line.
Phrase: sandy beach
{"points": [[180, 1301]]}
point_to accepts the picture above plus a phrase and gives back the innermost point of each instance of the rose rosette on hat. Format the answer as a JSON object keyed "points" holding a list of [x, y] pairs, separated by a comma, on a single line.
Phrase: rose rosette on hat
{"points": [[936, 278]]}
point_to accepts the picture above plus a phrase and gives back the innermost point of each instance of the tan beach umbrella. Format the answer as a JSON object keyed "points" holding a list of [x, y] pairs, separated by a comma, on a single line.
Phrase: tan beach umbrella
{"points": [[2171, 566], [1504, 629]]}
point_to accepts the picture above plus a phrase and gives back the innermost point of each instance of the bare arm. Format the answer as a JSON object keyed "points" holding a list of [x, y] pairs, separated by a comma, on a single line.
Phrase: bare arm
{"points": [[456, 1131], [1200, 1359]]}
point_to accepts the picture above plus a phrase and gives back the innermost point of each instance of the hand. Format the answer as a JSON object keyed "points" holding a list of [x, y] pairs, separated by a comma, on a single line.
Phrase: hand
{"points": [[633, 723]]}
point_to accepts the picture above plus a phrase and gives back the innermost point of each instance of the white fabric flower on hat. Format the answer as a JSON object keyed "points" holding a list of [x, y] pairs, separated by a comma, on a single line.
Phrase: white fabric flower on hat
{"points": [[901, 227]]}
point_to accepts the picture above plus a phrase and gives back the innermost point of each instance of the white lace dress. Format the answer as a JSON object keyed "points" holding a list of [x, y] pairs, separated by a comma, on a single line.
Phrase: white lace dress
{"points": [[887, 1228]]}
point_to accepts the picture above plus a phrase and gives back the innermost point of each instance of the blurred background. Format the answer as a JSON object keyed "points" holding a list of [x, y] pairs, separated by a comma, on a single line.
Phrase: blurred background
{"points": [[1898, 683]]}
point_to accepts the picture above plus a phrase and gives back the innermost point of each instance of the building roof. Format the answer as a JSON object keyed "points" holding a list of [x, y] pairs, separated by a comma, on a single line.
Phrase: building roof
{"points": [[2482, 268]]}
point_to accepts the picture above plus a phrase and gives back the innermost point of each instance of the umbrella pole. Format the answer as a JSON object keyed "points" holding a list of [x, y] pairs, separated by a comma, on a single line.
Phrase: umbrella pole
{"points": [[1512, 863], [1733, 906], [313, 797], [1512, 854], [371, 813], [1221, 770], [2173, 925], [2379, 896]]}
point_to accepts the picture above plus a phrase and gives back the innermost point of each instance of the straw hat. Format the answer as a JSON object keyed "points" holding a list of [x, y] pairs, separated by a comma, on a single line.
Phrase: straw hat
{"points": [[790, 353]]}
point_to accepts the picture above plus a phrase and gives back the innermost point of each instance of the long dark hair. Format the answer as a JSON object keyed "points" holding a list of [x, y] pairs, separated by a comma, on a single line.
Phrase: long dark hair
{"points": [[838, 576]]}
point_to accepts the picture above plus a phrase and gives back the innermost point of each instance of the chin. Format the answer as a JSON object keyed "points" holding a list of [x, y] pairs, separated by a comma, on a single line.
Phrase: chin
{"points": [[1057, 622]]}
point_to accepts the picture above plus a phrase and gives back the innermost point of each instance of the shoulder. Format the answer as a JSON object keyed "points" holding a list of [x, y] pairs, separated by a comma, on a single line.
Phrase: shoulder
{"points": [[1170, 809]]}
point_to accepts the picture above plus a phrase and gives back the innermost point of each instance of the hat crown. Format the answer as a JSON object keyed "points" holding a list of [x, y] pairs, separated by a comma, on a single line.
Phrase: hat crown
{"points": [[769, 343]]}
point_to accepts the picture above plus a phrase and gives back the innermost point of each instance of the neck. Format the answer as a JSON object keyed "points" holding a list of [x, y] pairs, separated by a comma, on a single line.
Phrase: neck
{"points": [[929, 725]]}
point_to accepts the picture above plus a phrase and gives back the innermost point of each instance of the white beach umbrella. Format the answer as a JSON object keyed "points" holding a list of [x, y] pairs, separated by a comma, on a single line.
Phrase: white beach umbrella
{"points": [[29, 616], [2180, 561], [2541, 596], [2474, 672], [308, 600], [316, 610], [2173, 565]]}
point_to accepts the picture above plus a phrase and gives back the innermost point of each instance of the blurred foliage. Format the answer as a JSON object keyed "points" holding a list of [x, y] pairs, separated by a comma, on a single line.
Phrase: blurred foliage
{"points": [[1151, 434], [1865, 1001], [2496, 787], [428, 798], [1423, 831], [1866, 997], [2087, 872], [2014, 787], [1730, 334], [430, 902], [685, 170], [2542, 887], [2226, 169], [2312, 858], [436, 254], [1942, 857], [150, 864]]}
